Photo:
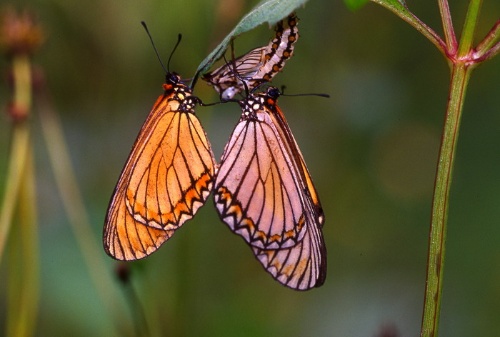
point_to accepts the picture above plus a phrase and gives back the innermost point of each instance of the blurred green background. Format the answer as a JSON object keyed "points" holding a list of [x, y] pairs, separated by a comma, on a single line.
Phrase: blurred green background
{"points": [[371, 149]]}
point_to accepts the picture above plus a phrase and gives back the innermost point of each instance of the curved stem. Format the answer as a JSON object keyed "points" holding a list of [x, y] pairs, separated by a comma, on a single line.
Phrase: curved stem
{"points": [[74, 207], [437, 236], [404, 13]]}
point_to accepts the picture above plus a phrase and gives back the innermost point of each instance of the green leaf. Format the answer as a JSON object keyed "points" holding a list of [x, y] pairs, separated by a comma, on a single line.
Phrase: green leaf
{"points": [[270, 11]]}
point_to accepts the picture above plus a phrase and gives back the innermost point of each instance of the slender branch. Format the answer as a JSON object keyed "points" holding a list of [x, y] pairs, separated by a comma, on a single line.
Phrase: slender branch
{"points": [[23, 285], [437, 235], [494, 51], [75, 209], [490, 44], [469, 29], [405, 14], [21, 104], [22, 258], [449, 32], [28, 267], [15, 282], [17, 162]]}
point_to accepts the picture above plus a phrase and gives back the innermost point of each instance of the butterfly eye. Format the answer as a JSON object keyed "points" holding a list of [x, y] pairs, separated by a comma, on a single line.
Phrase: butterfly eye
{"points": [[273, 93], [173, 78]]}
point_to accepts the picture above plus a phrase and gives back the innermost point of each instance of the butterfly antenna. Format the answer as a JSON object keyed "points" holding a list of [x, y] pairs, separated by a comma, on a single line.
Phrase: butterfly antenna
{"points": [[308, 94], [235, 72], [179, 38], [282, 93], [156, 50]]}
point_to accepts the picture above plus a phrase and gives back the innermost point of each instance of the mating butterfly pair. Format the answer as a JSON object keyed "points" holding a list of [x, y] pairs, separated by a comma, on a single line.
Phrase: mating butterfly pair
{"points": [[263, 190]]}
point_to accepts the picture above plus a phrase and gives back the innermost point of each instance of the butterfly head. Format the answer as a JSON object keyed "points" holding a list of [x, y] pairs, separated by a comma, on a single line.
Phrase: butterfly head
{"points": [[172, 78], [273, 93]]}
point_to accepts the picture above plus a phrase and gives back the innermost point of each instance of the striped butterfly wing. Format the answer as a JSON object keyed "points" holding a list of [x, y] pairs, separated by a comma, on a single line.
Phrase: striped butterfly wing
{"points": [[247, 66], [279, 119], [301, 267], [167, 178], [305, 265], [257, 66], [264, 193]]}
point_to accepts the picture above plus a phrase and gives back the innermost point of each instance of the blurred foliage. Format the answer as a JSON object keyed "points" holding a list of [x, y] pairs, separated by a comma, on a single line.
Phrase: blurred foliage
{"points": [[355, 4], [371, 149]]}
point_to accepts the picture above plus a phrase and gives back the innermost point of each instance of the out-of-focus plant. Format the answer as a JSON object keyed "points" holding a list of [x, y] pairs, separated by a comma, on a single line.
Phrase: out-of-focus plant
{"points": [[20, 38], [462, 58]]}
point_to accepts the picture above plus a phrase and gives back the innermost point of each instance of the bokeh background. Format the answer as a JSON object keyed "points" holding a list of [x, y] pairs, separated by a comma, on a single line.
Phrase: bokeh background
{"points": [[371, 149]]}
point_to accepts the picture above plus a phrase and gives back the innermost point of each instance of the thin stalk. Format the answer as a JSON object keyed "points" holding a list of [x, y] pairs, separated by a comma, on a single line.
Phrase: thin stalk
{"points": [[449, 32], [76, 212], [469, 29], [437, 236], [25, 266], [29, 217], [14, 281], [23, 286], [404, 13], [494, 51], [21, 102], [490, 45], [137, 309], [17, 162]]}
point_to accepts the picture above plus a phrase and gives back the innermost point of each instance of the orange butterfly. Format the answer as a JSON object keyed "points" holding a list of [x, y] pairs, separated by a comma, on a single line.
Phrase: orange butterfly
{"points": [[257, 66], [264, 193], [167, 178]]}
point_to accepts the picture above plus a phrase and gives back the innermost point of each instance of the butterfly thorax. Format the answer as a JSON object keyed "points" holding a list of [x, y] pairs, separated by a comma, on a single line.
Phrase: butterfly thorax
{"points": [[180, 93], [186, 103], [250, 106]]}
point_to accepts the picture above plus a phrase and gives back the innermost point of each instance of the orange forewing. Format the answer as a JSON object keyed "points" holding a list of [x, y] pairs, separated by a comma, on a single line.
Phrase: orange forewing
{"points": [[167, 177]]}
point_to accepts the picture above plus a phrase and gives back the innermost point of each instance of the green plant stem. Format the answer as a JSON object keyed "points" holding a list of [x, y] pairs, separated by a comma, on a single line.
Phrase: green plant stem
{"points": [[24, 267], [23, 285], [404, 13], [469, 29], [436, 254], [17, 162], [21, 73], [28, 217], [490, 46], [76, 212], [14, 281], [449, 32]]}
